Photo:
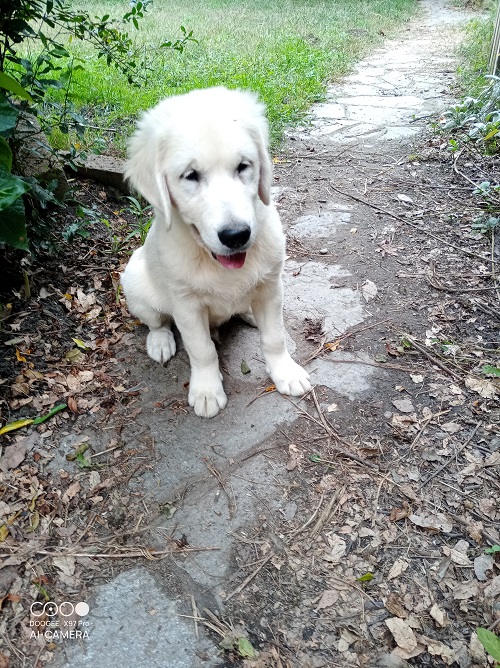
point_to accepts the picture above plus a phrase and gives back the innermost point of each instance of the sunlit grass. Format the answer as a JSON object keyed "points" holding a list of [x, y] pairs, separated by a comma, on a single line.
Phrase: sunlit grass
{"points": [[285, 50]]}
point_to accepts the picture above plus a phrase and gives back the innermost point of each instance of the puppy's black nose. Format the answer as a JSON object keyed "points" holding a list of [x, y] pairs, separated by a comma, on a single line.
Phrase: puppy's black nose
{"points": [[234, 237]]}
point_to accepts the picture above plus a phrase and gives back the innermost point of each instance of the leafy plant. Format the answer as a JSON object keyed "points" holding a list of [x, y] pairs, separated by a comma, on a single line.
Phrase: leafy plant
{"points": [[144, 216], [85, 217], [477, 117], [485, 224], [35, 89], [490, 370], [12, 214], [490, 642]]}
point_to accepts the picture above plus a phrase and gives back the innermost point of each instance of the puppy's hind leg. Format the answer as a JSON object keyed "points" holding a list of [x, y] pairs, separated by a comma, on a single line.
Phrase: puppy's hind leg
{"points": [[160, 343]]}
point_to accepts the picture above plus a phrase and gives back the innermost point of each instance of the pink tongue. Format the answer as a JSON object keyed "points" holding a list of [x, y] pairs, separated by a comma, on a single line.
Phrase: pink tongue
{"points": [[235, 261]]}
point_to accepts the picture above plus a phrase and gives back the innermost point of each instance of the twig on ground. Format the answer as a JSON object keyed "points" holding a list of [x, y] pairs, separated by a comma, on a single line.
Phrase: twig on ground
{"points": [[323, 518], [341, 337], [310, 520], [148, 554], [443, 288], [331, 433], [426, 422], [195, 615], [433, 359], [380, 365], [249, 578], [455, 454], [407, 222], [262, 394], [217, 475]]}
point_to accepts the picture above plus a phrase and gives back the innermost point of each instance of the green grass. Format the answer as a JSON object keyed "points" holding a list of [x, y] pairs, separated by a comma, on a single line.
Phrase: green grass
{"points": [[285, 50], [475, 54]]}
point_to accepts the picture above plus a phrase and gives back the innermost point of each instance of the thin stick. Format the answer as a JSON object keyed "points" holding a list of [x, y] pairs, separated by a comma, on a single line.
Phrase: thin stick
{"points": [[249, 578], [380, 365], [406, 222], [443, 288], [122, 555], [195, 615], [103, 452], [262, 394], [426, 422], [218, 476], [343, 336], [433, 359], [311, 519], [375, 505], [323, 518], [331, 433], [460, 449], [320, 412]]}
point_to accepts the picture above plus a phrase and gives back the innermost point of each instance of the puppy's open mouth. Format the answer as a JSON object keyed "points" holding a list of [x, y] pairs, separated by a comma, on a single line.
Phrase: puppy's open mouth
{"points": [[234, 261]]}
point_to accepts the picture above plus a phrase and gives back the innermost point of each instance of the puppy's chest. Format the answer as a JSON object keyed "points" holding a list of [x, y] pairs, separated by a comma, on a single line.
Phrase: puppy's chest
{"points": [[226, 292], [222, 305]]}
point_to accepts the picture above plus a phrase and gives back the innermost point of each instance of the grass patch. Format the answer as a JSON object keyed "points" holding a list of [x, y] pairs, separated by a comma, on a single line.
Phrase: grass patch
{"points": [[285, 50], [475, 53]]}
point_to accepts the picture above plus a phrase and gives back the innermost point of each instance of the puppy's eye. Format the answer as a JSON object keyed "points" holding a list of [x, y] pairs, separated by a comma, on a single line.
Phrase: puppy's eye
{"points": [[192, 175], [242, 167]]}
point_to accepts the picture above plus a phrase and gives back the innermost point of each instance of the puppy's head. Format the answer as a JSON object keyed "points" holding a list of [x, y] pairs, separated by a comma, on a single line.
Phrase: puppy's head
{"points": [[205, 155]]}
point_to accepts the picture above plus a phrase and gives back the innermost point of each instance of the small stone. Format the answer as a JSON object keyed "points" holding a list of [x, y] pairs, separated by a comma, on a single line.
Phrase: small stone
{"points": [[323, 251]]}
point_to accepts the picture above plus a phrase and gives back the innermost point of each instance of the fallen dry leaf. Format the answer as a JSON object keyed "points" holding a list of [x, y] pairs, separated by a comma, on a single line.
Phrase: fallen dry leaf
{"points": [[438, 522], [437, 648], [402, 634], [403, 405], [483, 565], [369, 290], [485, 388], [439, 616], [451, 427], [394, 606], [458, 554], [398, 567], [328, 598], [71, 492], [65, 564], [337, 551], [13, 456], [465, 590], [493, 589]]}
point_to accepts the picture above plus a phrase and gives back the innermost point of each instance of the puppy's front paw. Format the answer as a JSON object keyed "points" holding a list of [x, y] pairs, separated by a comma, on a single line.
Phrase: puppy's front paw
{"points": [[206, 396], [160, 345], [290, 378]]}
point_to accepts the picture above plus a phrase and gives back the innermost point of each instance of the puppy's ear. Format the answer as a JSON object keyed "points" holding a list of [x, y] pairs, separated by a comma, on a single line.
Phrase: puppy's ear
{"points": [[265, 175], [260, 135], [143, 169]]}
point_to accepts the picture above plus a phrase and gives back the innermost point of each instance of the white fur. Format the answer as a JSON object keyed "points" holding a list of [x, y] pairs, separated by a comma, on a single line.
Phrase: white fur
{"points": [[175, 275]]}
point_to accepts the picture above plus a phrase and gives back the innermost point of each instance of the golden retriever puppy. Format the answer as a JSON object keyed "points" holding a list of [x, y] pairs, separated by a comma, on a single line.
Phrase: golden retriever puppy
{"points": [[216, 246]]}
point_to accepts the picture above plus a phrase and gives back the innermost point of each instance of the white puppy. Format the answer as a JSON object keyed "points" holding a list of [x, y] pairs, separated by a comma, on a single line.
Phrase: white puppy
{"points": [[216, 246]]}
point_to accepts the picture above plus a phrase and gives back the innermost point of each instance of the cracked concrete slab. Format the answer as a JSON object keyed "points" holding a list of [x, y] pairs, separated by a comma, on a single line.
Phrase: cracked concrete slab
{"points": [[133, 621]]}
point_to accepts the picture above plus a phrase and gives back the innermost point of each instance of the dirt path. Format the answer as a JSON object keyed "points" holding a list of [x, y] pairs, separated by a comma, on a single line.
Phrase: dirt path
{"points": [[348, 529]]}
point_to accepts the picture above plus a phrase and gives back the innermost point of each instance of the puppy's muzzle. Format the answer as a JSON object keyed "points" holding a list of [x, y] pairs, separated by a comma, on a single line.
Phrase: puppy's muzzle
{"points": [[235, 237]]}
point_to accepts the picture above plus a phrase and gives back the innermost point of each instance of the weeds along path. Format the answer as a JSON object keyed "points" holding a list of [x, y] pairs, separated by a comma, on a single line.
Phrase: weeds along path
{"points": [[350, 528]]}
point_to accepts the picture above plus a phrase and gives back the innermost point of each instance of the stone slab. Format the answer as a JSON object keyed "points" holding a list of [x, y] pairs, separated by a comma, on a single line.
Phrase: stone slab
{"points": [[134, 621]]}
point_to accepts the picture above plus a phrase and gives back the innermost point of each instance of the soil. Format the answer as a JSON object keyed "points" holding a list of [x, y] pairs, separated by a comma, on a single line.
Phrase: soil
{"points": [[381, 550]]}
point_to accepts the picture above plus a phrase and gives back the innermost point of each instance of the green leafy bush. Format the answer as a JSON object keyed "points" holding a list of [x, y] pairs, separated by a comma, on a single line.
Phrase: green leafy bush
{"points": [[478, 118], [39, 27]]}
